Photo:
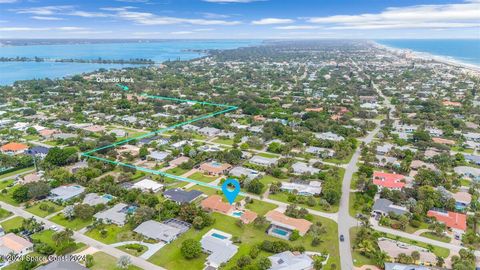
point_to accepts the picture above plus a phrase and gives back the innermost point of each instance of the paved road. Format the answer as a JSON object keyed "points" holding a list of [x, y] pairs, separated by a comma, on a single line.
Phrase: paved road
{"points": [[85, 239], [345, 221]]}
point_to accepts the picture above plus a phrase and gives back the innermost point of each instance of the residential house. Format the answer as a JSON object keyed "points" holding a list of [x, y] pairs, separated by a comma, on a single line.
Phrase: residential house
{"points": [[310, 189], [320, 151], [158, 156], [303, 168], [468, 172], [95, 199], [66, 193], [472, 159], [147, 185], [288, 260], [384, 207], [12, 243], [399, 266], [116, 215], [158, 231], [38, 151], [219, 247], [62, 265], [180, 196], [250, 174], [282, 226], [391, 181], [214, 203], [178, 161], [329, 136], [457, 222], [209, 131], [263, 161], [462, 200], [215, 168], [13, 148], [394, 248]]}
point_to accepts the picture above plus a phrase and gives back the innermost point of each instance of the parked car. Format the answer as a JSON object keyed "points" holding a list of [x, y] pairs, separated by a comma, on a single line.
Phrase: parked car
{"points": [[342, 238]]}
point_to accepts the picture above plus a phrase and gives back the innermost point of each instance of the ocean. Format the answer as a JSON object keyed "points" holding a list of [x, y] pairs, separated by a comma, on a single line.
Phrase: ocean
{"points": [[462, 50], [157, 51]]}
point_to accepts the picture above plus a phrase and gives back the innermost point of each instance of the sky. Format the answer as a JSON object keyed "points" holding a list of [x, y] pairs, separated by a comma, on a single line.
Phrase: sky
{"points": [[240, 19]]}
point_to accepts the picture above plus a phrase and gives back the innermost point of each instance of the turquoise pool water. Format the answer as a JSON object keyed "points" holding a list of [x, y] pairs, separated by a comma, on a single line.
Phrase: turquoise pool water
{"points": [[219, 236], [237, 213], [280, 232]]}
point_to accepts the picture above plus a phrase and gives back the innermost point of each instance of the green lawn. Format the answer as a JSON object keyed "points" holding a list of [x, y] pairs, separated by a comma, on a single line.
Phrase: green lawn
{"points": [[177, 171], [267, 155], [35, 209], [74, 224], [12, 223], [202, 177], [206, 190], [433, 236], [358, 259], [260, 207], [224, 141], [171, 258], [133, 251], [103, 261], [21, 171], [44, 236], [7, 197], [4, 213], [6, 183], [31, 137], [114, 234]]}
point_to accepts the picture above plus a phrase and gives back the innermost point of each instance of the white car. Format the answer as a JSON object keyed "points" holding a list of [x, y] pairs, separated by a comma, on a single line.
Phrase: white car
{"points": [[54, 228]]}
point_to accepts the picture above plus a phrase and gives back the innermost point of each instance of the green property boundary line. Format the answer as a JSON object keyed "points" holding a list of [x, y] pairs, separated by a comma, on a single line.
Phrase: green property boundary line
{"points": [[227, 108]]}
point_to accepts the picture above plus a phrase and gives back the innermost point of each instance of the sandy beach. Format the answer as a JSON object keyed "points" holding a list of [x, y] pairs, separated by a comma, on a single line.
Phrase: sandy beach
{"points": [[471, 68]]}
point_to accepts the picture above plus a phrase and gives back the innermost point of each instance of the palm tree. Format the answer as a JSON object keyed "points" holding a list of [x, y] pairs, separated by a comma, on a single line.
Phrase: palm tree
{"points": [[123, 262], [380, 257]]}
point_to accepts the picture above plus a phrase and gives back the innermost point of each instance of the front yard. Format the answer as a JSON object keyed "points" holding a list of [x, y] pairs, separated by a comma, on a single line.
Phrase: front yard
{"points": [[74, 224], [44, 208], [111, 233]]}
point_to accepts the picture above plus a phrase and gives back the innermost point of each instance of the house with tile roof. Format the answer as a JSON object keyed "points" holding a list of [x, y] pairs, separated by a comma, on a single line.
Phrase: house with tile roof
{"points": [[12, 243], [282, 225], [13, 148], [215, 168], [457, 222], [391, 181]]}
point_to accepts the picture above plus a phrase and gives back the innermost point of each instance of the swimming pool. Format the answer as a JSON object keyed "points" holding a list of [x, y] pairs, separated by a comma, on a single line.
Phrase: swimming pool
{"points": [[237, 213], [219, 236], [108, 197], [279, 231]]}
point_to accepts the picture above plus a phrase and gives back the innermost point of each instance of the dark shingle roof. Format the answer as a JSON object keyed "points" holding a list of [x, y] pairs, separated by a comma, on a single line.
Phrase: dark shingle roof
{"points": [[182, 196]]}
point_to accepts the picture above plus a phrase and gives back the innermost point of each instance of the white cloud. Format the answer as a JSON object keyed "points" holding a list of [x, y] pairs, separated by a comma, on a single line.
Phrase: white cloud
{"points": [[86, 14], [181, 32], [297, 27], [210, 15], [266, 21], [466, 14], [146, 18], [64, 28], [7, 1], [45, 18], [46, 10]]}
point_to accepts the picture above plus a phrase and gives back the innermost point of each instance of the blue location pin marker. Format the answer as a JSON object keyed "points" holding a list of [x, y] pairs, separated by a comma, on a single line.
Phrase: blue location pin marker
{"points": [[231, 194]]}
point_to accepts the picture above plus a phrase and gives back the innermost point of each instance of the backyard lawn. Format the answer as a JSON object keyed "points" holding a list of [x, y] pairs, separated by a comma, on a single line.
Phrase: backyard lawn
{"points": [[202, 177], [103, 261], [74, 224], [5, 183], [12, 223], [260, 207], [171, 257], [114, 234], [177, 171], [224, 141], [50, 206], [7, 197]]}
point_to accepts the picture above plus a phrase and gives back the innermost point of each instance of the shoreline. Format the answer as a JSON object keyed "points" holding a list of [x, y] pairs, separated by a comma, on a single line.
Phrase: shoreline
{"points": [[430, 57]]}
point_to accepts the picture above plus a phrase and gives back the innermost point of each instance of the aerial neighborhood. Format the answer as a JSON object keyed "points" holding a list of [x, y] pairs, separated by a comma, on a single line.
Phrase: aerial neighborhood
{"points": [[365, 157]]}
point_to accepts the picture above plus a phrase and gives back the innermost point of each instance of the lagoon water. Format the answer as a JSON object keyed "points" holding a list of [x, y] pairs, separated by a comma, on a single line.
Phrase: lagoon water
{"points": [[157, 51], [463, 50]]}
